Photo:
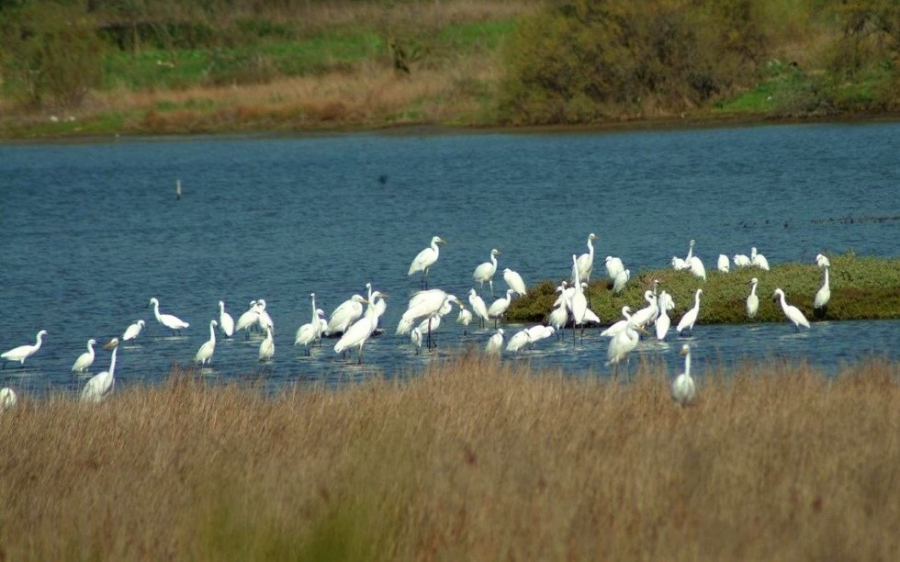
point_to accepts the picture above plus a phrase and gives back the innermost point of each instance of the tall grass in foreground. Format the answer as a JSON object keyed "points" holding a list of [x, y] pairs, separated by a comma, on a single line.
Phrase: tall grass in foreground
{"points": [[475, 459]]}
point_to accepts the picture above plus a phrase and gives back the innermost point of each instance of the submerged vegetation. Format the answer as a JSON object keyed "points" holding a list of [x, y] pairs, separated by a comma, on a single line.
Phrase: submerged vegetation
{"points": [[862, 288], [475, 459], [174, 66]]}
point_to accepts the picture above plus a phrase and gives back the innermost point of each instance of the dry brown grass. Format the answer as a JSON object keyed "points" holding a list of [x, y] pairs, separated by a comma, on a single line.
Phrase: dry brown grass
{"points": [[475, 459]]}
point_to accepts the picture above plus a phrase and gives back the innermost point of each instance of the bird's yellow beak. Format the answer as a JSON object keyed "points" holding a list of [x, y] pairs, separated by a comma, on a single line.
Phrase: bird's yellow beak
{"points": [[683, 352], [112, 343]]}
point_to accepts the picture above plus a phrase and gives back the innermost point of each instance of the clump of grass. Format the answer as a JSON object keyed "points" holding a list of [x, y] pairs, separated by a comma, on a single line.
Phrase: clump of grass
{"points": [[862, 288], [474, 459]]}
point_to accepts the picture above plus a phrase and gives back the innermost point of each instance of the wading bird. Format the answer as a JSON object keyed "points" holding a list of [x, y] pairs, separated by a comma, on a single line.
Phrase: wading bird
{"points": [[683, 389], [226, 322], [133, 331], [820, 303], [791, 312], [425, 259], [86, 359], [205, 353], [485, 271], [690, 317], [23, 352], [168, 320], [101, 385]]}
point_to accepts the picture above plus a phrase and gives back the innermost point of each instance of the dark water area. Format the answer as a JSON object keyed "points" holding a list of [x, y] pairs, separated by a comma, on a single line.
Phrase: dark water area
{"points": [[90, 232]]}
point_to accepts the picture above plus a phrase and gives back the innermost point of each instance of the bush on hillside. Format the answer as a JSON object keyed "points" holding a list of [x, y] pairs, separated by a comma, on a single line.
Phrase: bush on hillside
{"points": [[587, 60]]}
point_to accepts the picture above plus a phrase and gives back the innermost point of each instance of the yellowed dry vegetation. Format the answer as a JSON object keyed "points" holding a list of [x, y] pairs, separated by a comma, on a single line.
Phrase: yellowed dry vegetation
{"points": [[475, 459]]}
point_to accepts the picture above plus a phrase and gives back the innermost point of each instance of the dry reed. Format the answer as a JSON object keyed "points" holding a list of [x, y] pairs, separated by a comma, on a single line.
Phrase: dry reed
{"points": [[474, 459]]}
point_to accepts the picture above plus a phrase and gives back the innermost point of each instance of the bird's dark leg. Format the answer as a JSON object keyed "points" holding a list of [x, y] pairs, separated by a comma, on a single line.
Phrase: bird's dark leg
{"points": [[359, 355]]}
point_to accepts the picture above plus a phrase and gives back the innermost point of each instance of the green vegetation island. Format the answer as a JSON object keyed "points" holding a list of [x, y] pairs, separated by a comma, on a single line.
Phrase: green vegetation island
{"points": [[128, 67], [862, 288]]}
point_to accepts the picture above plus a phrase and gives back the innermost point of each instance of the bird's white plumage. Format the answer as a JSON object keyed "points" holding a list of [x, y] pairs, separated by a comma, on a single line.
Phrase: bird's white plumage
{"points": [[248, 319], [614, 266], [8, 398], [102, 384], [345, 314], [499, 307], [168, 320], [133, 331], [822, 261], [427, 257], [205, 353], [823, 295], [758, 259], [585, 262], [519, 340], [752, 299], [226, 322], [724, 263], [791, 312], [684, 391], [478, 306], [23, 352], [495, 343], [690, 317], [267, 346], [514, 281], [621, 280], [86, 359], [485, 271]]}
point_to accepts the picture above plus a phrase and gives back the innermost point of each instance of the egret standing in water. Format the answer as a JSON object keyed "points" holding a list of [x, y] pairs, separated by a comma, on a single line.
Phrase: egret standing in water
{"points": [[168, 320], [226, 322], [752, 299], [267, 346], [485, 271], [514, 281], [359, 333], [101, 385], [690, 317], [495, 343], [585, 262], [205, 353], [820, 304], [478, 307], [683, 389], [23, 352], [86, 359], [133, 331], [500, 306], [791, 312], [426, 258]]}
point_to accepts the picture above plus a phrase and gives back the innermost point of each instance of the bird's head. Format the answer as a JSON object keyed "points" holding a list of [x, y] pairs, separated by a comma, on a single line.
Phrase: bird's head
{"points": [[113, 343], [685, 349]]}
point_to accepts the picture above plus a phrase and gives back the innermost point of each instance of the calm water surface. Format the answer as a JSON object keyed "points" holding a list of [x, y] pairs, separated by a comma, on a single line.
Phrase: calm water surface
{"points": [[89, 232]]}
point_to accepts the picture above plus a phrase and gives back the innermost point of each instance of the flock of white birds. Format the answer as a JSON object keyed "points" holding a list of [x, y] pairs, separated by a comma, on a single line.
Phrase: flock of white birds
{"points": [[356, 320]]}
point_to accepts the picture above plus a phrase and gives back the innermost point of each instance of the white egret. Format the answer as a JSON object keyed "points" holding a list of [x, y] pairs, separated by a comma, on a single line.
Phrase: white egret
{"points": [[495, 343], [697, 268], [132, 331], [478, 307], [379, 304], [309, 333], [822, 261], [792, 313], [426, 304], [248, 319], [263, 319], [662, 324], [679, 264], [101, 385], [690, 253], [752, 299], [514, 281], [485, 271], [585, 262], [683, 389], [741, 260], [205, 353], [464, 318], [519, 340], [86, 359], [499, 307], [621, 279], [226, 322], [621, 345], [579, 303], [267, 346], [359, 333], [345, 314], [559, 317], [758, 259], [724, 263], [643, 316], [426, 258], [168, 320], [540, 332], [23, 352], [415, 336], [613, 267], [8, 398], [690, 317], [820, 304], [619, 326], [565, 293]]}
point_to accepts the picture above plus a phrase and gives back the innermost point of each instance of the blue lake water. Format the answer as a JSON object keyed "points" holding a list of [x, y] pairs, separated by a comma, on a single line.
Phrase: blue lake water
{"points": [[89, 232]]}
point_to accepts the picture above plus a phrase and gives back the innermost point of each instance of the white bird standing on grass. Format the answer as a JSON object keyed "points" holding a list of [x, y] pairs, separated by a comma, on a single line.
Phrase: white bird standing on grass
{"points": [[132, 331], [485, 271], [622, 278], [613, 267], [690, 317], [86, 359], [791, 312], [683, 389], [741, 260], [226, 322], [723, 265], [205, 353], [820, 303], [101, 385], [168, 320], [752, 299], [758, 259], [23, 352], [425, 259]]}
